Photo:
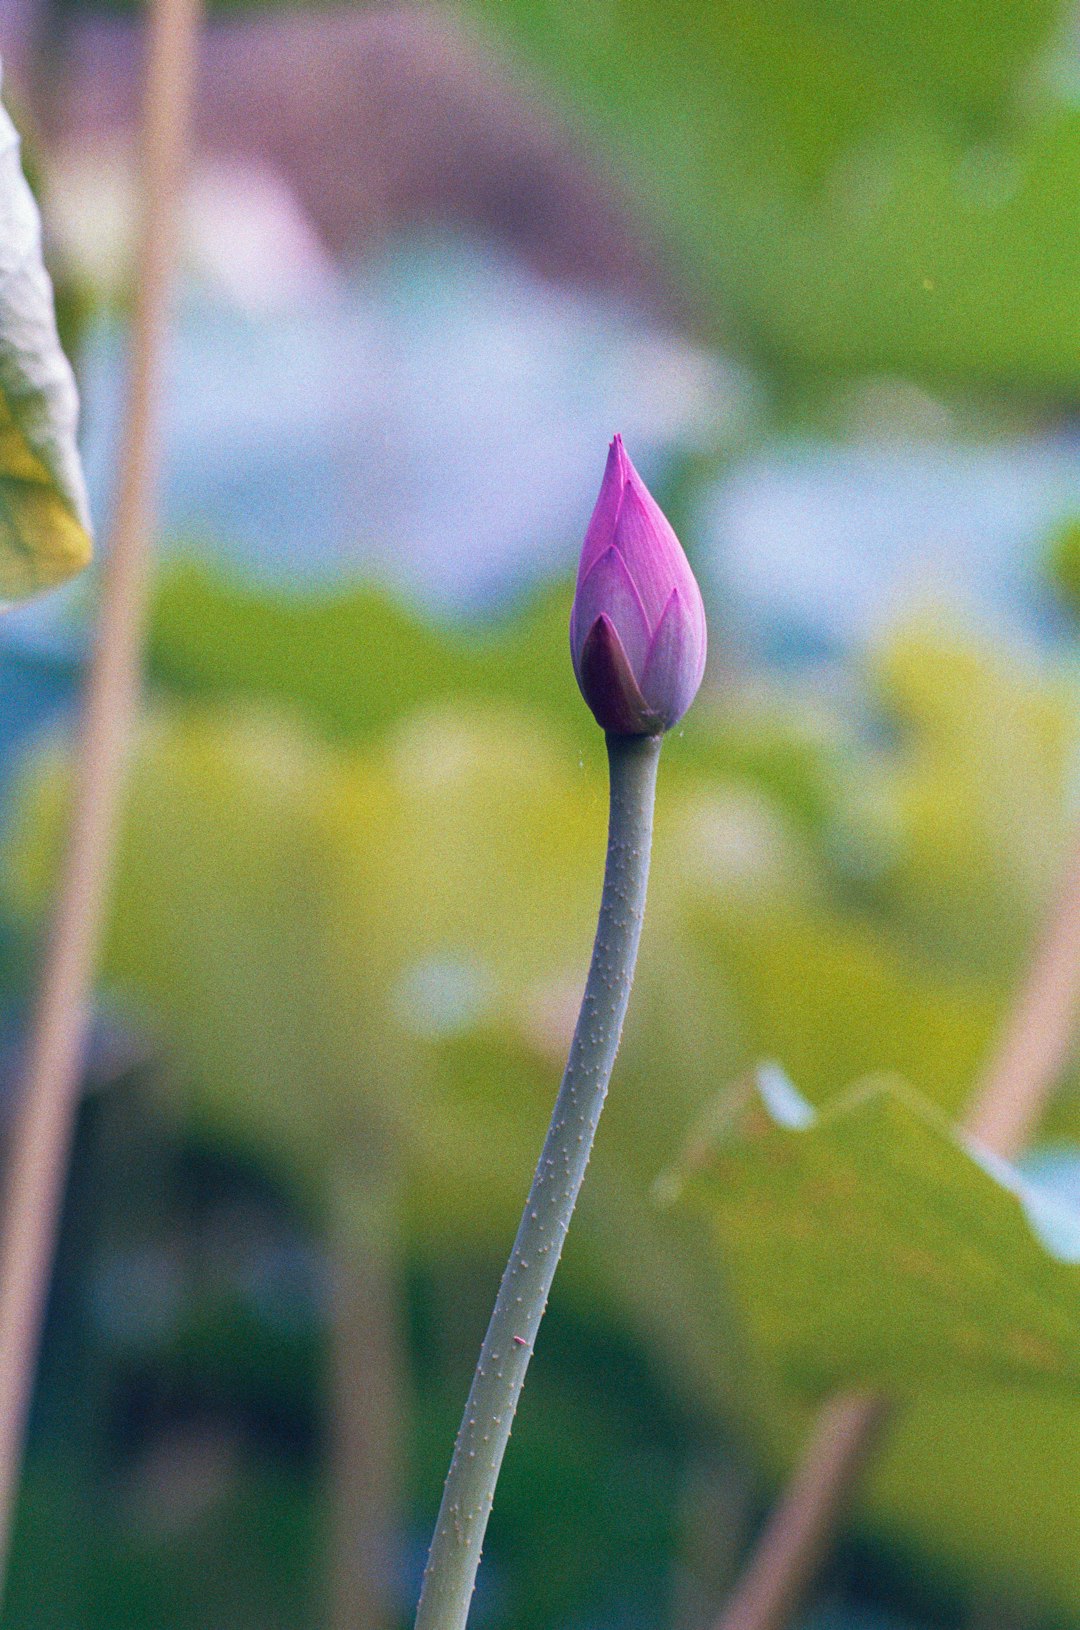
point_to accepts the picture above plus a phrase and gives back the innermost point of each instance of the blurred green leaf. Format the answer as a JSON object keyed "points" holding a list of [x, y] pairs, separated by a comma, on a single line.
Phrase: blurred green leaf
{"points": [[823, 992], [336, 946], [1062, 562], [362, 891], [44, 520], [981, 1482], [969, 811], [946, 57], [869, 1246], [317, 934], [215, 637], [236, 1541], [891, 187]]}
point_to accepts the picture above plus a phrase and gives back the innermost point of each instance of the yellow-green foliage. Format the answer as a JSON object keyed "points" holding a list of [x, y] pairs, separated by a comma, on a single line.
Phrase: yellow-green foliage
{"points": [[364, 943], [44, 520], [870, 1246], [888, 187], [971, 806]]}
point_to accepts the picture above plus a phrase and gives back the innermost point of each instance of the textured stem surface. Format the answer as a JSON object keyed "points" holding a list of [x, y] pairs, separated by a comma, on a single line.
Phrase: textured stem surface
{"points": [[37, 1154], [1008, 1103], [504, 1358]]}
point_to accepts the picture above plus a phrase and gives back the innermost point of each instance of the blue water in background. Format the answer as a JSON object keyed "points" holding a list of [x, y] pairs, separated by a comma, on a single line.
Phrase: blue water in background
{"points": [[819, 545], [438, 421]]}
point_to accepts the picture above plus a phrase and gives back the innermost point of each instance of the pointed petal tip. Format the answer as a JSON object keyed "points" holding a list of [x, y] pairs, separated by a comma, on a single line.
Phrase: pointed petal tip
{"points": [[601, 529], [619, 457]]}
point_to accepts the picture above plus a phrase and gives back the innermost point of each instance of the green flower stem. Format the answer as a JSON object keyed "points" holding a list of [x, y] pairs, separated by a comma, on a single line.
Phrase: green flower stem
{"points": [[504, 1358]]}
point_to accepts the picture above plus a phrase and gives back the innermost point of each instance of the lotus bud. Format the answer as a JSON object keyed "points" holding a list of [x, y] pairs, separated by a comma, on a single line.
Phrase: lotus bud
{"points": [[637, 630]]}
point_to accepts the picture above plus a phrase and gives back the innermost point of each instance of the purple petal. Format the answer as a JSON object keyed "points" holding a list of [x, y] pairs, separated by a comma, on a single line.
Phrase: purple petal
{"points": [[637, 630], [608, 591], [609, 686], [601, 528], [675, 663], [653, 554]]}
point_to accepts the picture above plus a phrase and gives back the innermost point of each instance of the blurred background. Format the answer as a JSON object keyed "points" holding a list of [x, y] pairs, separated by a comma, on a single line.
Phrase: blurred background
{"points": [[818, 263]]}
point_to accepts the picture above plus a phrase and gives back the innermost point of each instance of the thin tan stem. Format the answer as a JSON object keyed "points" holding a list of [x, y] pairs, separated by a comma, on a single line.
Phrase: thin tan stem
{"points": [[1034, 1045], [1023, 1069], [41, 1136], [366, 1388], [797, 1534]]}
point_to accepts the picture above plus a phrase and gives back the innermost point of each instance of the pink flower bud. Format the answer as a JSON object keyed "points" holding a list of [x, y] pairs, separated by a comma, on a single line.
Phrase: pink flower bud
{"points": [[637, 630]]}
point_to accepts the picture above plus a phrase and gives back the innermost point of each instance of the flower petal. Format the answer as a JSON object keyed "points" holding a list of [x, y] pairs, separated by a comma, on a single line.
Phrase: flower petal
{"points": [[601, 529], [609, 686], [653, 554], [609, 590], [675, 663], [638, 613]]}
